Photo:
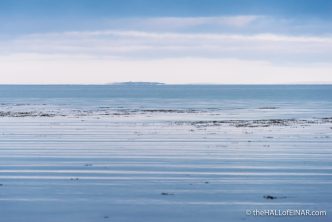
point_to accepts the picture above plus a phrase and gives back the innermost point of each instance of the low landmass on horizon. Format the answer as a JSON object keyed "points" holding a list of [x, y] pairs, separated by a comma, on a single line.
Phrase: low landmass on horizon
{"points": [[137, 83]]}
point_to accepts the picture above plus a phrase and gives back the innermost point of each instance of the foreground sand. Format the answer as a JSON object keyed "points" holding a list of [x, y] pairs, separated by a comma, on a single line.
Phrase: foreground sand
{"points": [[148, 167]]}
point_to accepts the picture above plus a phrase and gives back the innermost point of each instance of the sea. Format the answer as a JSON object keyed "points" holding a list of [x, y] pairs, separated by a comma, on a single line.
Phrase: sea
{"points": [[151, 152], [225, 101]]}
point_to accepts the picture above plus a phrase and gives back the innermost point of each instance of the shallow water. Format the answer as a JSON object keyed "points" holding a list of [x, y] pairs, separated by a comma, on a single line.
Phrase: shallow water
{"points": [[92, 153]]}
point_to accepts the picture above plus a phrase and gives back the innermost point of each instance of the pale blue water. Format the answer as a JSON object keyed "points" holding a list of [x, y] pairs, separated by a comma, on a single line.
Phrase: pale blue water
{"points": [[192, 92], [287, 101]]}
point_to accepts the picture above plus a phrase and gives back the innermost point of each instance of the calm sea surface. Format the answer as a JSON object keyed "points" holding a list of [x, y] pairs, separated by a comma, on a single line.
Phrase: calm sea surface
{"points": [[159, 153], [289, 101]]}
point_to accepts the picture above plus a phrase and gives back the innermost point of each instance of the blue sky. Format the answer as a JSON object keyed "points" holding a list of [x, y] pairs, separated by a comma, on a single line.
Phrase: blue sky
{"points": [[175, 41], [49, 15], [124, 8]]}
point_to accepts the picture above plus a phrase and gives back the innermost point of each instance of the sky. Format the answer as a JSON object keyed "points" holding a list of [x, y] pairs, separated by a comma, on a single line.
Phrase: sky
{"points": [[171, 41]]}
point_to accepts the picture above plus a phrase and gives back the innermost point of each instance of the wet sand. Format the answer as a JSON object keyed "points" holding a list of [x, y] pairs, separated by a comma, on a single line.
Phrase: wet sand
{"points": [[161, 165]]}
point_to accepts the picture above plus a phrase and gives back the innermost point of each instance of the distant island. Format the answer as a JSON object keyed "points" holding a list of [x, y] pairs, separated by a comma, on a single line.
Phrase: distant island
{"points": [[137, 83]]}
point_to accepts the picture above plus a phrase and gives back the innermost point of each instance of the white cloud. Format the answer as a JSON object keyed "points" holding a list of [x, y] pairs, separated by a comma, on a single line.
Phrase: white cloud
{"points": [[167, 22], [110, 34], [79, 69], [154, 45], [249, 24], [178, 57]]}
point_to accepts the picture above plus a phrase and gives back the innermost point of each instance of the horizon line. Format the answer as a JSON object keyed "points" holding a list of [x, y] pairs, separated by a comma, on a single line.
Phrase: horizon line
{"points": [[156, 84]]}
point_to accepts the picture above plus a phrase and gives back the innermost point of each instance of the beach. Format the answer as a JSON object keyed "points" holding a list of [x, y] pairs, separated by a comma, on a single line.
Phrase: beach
{"points": [[67, 157]]}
